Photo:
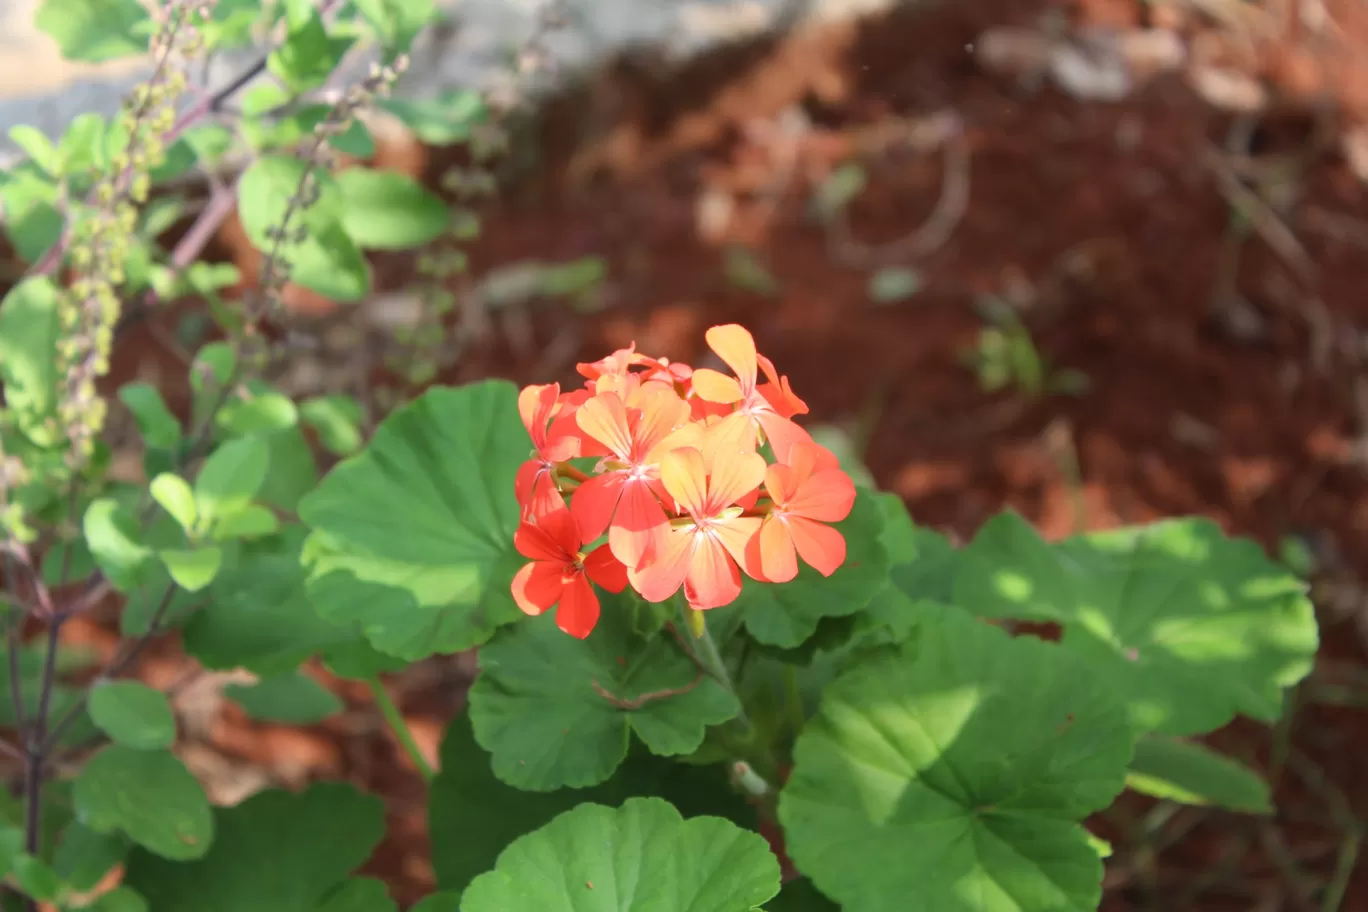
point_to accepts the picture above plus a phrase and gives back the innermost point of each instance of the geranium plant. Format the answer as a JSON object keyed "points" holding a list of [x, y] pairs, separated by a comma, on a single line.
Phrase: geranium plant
{"points": [[716, 673]]}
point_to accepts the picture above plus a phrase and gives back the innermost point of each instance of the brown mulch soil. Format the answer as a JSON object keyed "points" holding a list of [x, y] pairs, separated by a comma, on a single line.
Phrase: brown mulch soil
{"points": [[1226, 387]]}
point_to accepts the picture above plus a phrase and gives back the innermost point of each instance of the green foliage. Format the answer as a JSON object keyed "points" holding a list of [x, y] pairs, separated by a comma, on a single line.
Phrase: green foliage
{"points": [[274, 852], [877, 722], [412, 537], [643, 855]]}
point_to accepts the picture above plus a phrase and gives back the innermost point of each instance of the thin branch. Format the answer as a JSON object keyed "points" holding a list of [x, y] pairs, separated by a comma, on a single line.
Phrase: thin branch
{"points": [[37, 755]]}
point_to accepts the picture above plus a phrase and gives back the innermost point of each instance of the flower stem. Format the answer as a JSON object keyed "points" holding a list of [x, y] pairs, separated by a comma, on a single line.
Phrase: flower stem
{"points": [[705, 648], [396, 723]]}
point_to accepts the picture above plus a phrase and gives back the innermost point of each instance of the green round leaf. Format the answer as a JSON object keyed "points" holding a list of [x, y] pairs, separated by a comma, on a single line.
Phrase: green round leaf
{"points": [[954, 775], [231, 477], [259, 616], [556, 711], [119, 899], [112, 534], [261, 414], [176, 497], [29, 330], [360, 894], [84, 856], [785, 615], [1191, 626], [1188, 772], [439, 902], [93, 31], [158, 426], [642, 857], [337, 419], [413, 535], [133, 714], [442, 120], [149, 795], [296, 699], [388, 210], [192, 569], [466, 789], [277, 851]]}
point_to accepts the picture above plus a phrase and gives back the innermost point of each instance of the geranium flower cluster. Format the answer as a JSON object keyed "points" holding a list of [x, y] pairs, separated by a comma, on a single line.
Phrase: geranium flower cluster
{"points": [[678, 494]]}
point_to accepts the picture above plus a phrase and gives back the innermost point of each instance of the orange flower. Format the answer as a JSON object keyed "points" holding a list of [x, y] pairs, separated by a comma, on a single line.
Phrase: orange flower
{"points": [[807, 492], [767, 406], [703, 549], [623, 499], [560, 573], [552, 427]]}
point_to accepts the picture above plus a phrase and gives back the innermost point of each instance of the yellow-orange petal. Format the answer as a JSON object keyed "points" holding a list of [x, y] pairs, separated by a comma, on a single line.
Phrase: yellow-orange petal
{"points": [[713, 386], [733, 477], [685, 477], [713, 579], [535, 405], [820, 546], [773, 548], [736, 535], [638, 525], [662, 577], [827, 496], [736, 347], [782, 434], [604, 418]]}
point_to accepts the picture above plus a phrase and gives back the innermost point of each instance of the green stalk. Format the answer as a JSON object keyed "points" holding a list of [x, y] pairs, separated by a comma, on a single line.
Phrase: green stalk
{"points": [[395, 720]]}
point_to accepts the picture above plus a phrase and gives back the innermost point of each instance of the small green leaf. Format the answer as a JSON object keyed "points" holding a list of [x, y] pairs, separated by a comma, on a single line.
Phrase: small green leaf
{"points": [[111, 532], [443, 120], [93, 31], [35, 879], [557, 712], [889, 286], [308, 56], [176, 498], [253, 521], [1190, 773], [277, 851], [259, 616], [396, 22], [261, 414], [84, 857], [746, 273], [29, 330], [957, 772], [119, 899], [337, 419], [192, 569], [643, 855], [158, 426], [38, 147], [133, 714], [231, 477], [82, 145], [838, 191], [389, 211], [149, 795], [32, 222], [293, 698]]}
